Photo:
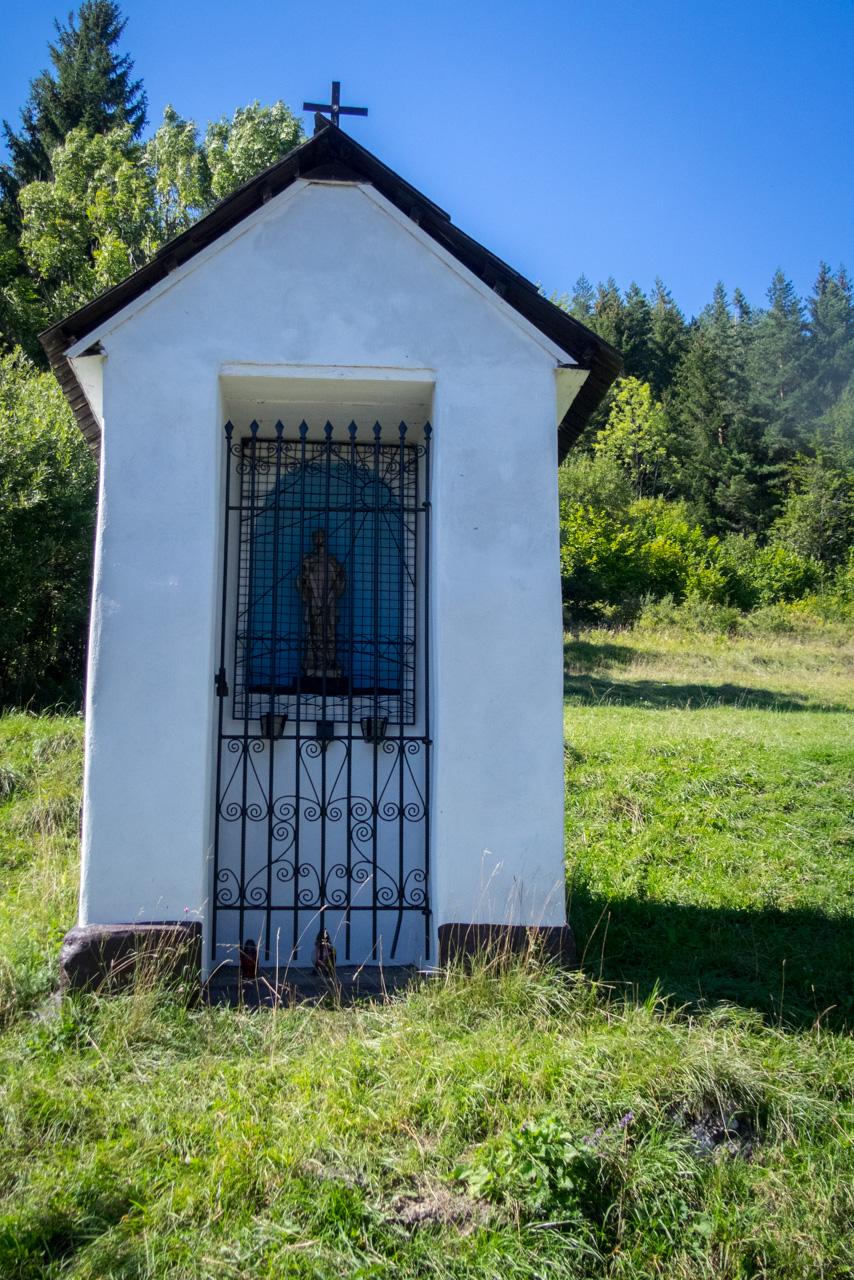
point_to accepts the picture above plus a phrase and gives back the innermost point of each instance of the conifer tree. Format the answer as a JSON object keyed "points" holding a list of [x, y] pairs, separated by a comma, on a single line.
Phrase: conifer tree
{"points": [[583, 297], [608, 312], [817, 519], [626, 324], [741, 309], [668, 339], [723, 474], [777, 368], [90, 85], [830, 338], [635, 340]]}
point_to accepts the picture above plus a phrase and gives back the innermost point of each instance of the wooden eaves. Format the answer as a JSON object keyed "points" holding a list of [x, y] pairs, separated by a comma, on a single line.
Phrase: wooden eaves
{"points": [[332, 154]]}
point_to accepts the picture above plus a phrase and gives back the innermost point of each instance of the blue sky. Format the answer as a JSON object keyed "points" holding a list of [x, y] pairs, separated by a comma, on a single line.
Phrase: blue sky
{"points": [[683, 138]]}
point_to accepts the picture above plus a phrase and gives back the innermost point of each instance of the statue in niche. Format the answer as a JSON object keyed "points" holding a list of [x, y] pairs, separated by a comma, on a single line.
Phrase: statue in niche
{"points": [[320, 583]]}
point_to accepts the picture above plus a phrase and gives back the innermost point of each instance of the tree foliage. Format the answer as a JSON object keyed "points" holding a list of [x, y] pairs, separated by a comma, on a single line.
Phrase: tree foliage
{"points": [[113, 202], [254, 138], [637, 437], [93, 224], [47, 507], [90, 86], [744, 419]]}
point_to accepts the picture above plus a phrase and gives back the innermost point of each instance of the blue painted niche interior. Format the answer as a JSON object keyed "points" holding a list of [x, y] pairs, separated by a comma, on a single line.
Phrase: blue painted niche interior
{"points": [[365, 527]]}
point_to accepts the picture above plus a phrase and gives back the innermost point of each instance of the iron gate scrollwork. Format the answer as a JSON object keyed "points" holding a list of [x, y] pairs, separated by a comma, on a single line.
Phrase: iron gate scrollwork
{"points": [[323, 749]]}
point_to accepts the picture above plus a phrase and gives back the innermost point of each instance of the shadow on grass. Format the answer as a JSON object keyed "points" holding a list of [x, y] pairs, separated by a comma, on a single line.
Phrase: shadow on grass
{"points": [[46, 1242], [702, 956], [583, 653], [593, 691]]}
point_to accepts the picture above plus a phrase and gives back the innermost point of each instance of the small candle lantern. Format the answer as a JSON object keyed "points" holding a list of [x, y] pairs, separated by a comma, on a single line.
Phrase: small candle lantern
{"points": [[324, 953], [373, 728], [249, 960], [273, 725]]}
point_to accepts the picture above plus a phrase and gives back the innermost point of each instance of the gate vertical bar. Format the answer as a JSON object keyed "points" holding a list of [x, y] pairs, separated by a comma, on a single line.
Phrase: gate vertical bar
{"points": [[253, 484], [401, 628], [428, 745], [324, 640], [221, 684], [351, 612], [272, 736], [375, 628], [303, 432]]}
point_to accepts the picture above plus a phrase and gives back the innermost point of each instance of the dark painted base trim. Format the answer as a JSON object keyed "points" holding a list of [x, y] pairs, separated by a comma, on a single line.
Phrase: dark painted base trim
{"points": [[110, 955], [550, 942]]}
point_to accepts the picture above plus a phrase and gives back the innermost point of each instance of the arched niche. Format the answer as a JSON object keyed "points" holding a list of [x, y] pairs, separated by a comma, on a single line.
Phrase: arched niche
{"points": [[364, 525]]}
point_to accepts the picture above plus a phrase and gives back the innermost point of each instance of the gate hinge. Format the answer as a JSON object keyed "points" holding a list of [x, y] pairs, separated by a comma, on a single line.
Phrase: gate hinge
{"points": [[221, 683]]}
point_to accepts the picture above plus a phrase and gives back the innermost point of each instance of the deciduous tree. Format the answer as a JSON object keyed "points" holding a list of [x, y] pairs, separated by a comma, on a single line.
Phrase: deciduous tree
{"points": [[94, 223], [636, 437]]}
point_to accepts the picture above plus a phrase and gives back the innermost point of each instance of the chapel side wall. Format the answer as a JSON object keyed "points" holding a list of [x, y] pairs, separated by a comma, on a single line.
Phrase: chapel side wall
{"points": [[149, 732], [498, 839], [93, 670]]}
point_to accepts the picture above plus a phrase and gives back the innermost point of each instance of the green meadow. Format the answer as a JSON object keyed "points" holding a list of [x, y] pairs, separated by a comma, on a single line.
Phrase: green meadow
{"points": [[681, 1105], [710, 816]]}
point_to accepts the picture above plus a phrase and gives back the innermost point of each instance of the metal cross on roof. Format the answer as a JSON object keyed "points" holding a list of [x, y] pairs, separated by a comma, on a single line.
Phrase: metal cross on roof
{"points": [[335, 105]]}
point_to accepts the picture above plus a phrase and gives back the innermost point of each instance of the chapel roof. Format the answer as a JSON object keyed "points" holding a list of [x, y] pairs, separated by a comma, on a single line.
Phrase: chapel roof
{"points": [[333, 155]]}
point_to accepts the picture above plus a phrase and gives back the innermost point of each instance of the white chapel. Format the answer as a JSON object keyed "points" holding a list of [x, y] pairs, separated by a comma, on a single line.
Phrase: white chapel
{"points": [[325, 660]]}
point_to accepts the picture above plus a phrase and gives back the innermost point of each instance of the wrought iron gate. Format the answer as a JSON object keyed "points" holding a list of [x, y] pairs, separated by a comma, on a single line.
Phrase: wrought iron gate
{"points": [[323, 740]]}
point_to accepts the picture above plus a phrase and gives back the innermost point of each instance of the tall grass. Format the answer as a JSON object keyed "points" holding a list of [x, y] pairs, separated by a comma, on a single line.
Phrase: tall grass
{"points": [[40, 779]]}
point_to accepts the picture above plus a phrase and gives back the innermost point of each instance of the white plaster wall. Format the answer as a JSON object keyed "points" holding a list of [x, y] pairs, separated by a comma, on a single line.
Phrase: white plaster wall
{"points": [[327, 275]]}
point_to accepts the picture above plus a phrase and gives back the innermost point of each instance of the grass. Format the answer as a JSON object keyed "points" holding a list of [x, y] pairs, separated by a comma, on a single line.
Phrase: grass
{"points": [[708, 811], [40, 779]]}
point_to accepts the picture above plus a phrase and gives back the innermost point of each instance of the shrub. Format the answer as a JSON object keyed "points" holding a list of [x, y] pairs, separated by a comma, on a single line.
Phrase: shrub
{"points": [[781, 575], [542, 1167], [594, 480], [657, 551], [607, 561]]}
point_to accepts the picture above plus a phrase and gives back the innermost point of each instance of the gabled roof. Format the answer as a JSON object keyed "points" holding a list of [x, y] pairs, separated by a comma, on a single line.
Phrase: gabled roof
{"points": [[333, 155]]}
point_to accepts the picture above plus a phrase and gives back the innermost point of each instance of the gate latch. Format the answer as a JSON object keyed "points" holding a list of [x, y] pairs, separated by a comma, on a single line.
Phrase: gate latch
{"points": [[221, 683]]}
